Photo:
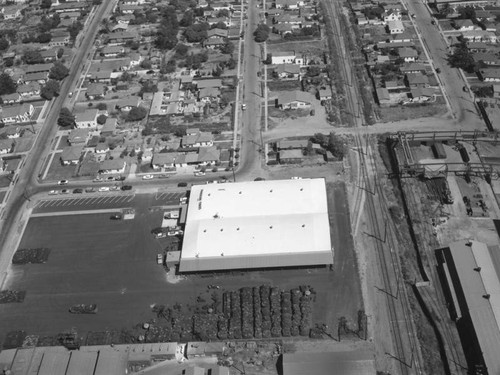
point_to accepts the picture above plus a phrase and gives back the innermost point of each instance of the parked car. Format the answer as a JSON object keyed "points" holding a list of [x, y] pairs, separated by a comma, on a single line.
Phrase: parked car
{"points": [[114, 188], [159, 259], [183, 200], [103, 189], [126, 187], [116, 217], [110, 178], [120, 178], [65, 191], [89, 190], [62, 182], [77, 191], [53, 192], [176, 232], [182, 184], [199, 173], [98, 179], [148, 177], [243, 107], [160, 235]]}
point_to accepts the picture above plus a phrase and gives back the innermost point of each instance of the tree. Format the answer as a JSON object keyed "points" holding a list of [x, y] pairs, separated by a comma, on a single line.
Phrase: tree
{"points": [[146, 64], [228, 47], [231, 63], [60, 53], [187, 19], [44, 38], [33, 57], [181, 50], [196, 33], [148, 86], [4, 44], [58, 71], [46, 4], [7, 85], [166, 37], [261, 33], [137, 114], [102, 106], [462, 58], [101, 119], [74, 29], [50, 90], [336, 146], [66, 118]]}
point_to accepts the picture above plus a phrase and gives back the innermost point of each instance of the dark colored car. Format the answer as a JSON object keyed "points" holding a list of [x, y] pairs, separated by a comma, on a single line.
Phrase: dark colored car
{"points": [[77, 191], [126, 187], [182, 184]]}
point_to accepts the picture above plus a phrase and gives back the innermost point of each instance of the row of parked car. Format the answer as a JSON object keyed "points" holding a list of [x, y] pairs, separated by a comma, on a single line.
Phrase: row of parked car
{"points": [[91, 190]]}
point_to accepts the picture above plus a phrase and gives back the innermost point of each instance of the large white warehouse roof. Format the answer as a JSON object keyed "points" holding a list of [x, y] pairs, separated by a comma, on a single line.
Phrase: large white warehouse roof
{"points": [[257, 224]]}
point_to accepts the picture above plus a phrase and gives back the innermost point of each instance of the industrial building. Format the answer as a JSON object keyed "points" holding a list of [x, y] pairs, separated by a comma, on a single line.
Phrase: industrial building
{"points": [[469, 275], [255, 225]]}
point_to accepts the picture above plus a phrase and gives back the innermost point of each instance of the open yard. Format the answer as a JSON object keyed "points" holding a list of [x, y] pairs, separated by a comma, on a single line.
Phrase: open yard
{"points": [[57, 171]]}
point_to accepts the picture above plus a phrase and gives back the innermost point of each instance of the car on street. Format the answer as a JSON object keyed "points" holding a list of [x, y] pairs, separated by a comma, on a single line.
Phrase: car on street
{"points": [[98, 179], [296, 178], [65, 191], [77, 191], [103, 189], [114, 188], [110, 178], [160, 235], [62, 182], [120, 178], [176, 232], [159, 259], [89, 190], [183, 200], [199, 173], [116, 217], [148, 177], [126, 187], [53, 192], [182, 184]]}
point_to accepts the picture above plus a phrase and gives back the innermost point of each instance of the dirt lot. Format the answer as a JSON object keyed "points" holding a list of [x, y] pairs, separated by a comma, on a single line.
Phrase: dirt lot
{"points": [[401, 113]]}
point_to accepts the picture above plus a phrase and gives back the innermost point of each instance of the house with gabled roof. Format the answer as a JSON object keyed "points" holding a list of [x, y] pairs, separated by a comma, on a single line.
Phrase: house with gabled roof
{"points": [[415, 80], [86, 119], [78, 136], [29, 89], [395, 27], [287, 71], [71, 155], [408, 54], [294, 100], [208, 155], [112, 51], [112, 166], [200, 139], [11, 98], [17, 113], [127, 103], [95, 91], [6, 146]]}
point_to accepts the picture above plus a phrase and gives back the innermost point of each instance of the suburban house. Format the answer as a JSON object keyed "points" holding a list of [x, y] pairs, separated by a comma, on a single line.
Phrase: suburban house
{"points": [[490, 74], [163, 160], [486, 58], [37, 68], [71, 155], [214, 42], [412, 68], [12, 132], [199, 139], [293, 156], [78, 136], [101, 149], [286, 57], [17, 113], [294, 100], [87, 119], [465, 25], [225, 20], [287, 71], [119, 38], [109, 127], [125, 19], [480, 36], [11, 13], [6, 146], [392, 15], [126, 104], [421, 94], [59, 41], [208, 155], [496, 91], [217, 33], [395, 27], [74, 6], [325, 94], [49, 55], [11, 98], [109, 166], [408, 54], [129, 9], [201, 84], [383, 97], [289, 4], [112, 51], [95, 91], [415, 80], [40, 78], [29, 89]]}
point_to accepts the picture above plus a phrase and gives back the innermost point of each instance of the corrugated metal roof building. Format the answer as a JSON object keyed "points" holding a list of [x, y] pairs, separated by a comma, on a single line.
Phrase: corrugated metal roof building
{"points": [[263, 224], [472, 287]]}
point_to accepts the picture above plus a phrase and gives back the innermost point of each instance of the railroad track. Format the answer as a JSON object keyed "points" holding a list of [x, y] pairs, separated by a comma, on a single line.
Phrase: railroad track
{"points": [[366, 158]]}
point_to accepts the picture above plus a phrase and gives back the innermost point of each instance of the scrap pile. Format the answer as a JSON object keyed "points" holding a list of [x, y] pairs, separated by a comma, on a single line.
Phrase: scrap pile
{"points": [[10, 296], [26, 256]]}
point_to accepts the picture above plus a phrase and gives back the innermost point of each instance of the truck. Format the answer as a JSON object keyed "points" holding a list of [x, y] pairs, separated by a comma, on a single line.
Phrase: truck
{"points": [[83, 309]]}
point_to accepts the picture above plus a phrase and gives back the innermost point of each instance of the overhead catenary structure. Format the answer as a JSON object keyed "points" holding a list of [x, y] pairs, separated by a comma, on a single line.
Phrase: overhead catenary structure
{"points": [[259, 224]]}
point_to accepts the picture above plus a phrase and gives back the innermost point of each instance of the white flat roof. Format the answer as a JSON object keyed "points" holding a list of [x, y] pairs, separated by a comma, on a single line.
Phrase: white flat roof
{"points": [[256, 225]]}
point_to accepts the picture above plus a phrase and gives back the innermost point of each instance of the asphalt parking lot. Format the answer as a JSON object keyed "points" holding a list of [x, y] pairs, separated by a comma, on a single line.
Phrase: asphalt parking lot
{"points": [[106, 201], [113, 263]]}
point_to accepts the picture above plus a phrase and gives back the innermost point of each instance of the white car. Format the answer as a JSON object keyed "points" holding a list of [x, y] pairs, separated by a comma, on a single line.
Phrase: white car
{"points": [[183, 200], [114, 188], [62, 182], [159, 259], [160, 235], [103, 189], [199, 174], [296, 178], [175, 233], [148, 177], [98, 179], [53, 192]]}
